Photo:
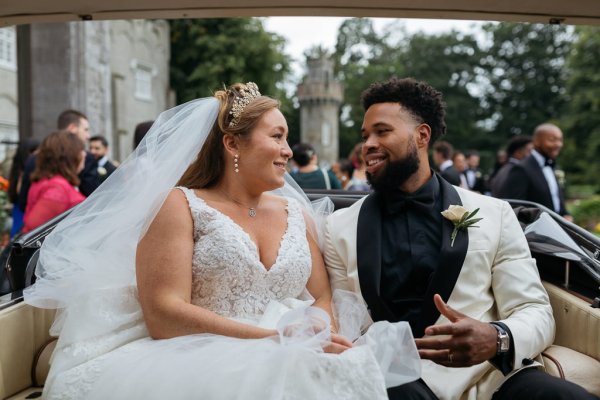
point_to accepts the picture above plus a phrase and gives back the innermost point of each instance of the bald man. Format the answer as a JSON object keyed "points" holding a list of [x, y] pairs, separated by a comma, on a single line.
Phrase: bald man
{"points": [[533, 179]]}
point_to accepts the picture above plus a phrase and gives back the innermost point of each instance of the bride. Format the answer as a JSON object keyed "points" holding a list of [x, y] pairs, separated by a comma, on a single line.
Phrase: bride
{"points": [[214, 289]]}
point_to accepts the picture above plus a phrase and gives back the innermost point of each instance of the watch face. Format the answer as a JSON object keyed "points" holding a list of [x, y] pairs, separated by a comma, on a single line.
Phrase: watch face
{"points": [[504, 342]]}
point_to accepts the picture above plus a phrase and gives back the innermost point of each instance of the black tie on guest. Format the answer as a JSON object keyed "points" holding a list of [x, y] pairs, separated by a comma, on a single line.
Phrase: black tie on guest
{"points": [[550, 163]]}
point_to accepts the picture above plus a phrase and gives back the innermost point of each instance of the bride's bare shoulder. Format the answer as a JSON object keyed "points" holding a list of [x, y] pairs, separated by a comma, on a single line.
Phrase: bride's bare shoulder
{"points": [[172, 222], [175, 205], [180, 195], [175, 197], [274, 201]]}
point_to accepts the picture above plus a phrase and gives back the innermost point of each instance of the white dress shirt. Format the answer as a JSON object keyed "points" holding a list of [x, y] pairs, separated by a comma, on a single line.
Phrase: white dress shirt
{"points": [[550, 178], [445, 165]]}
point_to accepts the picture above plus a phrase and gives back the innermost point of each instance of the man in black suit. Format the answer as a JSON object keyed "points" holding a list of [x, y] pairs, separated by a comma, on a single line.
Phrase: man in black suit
{"points": [[475, 179], [75, 123], [533, 178], [99, 148], [442, 157], [517, 149]]}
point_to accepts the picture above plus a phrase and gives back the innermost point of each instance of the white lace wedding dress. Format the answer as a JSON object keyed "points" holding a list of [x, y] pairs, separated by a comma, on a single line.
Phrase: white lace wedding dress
{"points": [[229, 279]]}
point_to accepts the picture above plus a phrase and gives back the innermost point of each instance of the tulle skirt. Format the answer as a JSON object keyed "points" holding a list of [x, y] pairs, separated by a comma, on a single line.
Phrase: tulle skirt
{"points": [[291, 365]]}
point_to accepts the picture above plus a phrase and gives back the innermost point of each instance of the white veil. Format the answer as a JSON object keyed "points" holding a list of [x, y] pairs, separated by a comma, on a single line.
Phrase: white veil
{"points": [[87, 264]]}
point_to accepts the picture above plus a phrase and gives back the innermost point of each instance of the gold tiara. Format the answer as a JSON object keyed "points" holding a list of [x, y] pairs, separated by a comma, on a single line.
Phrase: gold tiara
{"points": [[244, 97]]}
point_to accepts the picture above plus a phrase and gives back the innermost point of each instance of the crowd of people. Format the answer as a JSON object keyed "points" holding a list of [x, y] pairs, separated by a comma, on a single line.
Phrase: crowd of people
{"points": [[524, 169], [55, 175]]}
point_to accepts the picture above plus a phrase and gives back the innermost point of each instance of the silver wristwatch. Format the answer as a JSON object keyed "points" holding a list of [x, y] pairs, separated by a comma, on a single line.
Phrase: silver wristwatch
{"points": [[502, 341]]}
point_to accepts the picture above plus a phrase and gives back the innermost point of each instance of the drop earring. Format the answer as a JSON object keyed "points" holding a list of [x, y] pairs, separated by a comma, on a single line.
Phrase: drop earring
{"points": [[236, 160]]}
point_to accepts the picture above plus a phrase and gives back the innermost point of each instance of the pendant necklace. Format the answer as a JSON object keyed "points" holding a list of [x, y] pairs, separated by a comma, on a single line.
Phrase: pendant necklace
{"points": [[251, 210]]}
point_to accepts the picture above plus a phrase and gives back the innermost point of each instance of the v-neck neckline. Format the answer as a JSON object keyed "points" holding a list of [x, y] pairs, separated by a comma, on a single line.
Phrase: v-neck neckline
{"points": [[247, 236]]}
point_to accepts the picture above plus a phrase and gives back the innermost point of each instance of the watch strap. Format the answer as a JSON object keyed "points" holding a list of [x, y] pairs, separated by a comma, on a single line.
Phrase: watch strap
{"points": [[505, 362]]}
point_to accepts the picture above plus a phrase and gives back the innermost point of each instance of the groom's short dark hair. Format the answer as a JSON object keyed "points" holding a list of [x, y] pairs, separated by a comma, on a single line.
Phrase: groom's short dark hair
{"points": [[422, 100]]}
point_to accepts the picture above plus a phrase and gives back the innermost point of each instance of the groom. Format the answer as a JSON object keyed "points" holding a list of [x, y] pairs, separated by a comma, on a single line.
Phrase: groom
{"points": [[475, 302]]}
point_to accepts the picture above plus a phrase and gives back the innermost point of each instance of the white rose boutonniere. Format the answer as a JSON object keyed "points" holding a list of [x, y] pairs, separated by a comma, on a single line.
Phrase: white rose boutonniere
{"points": [[461, 218], [560, 177], [102, 171]]}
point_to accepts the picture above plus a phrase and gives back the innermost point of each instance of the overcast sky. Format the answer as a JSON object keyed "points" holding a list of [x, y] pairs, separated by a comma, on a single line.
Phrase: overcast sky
{"points": [[304, 32]]}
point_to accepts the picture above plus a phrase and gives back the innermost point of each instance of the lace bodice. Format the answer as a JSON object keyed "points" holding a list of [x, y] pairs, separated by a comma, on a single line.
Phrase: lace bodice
{"points": [[228, 277]]}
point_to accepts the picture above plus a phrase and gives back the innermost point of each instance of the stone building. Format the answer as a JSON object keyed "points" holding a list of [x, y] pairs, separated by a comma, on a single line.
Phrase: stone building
{"points": [[116, 72], [320, 97], [8, 90], [140, 58]]}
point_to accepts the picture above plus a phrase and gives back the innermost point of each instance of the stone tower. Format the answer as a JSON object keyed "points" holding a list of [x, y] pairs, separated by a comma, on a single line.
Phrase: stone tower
{"points": [[320, 97]]}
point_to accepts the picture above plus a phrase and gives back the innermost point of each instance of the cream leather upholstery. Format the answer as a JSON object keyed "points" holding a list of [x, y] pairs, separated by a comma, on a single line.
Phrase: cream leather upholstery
{"points": [[41, 362], [577, 324], [23, 331], [575, 355], [25, 394], [573, 366]]}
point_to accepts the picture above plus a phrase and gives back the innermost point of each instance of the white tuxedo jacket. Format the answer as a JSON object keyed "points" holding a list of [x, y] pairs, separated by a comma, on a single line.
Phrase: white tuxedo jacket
{"points": [[497, 281]]}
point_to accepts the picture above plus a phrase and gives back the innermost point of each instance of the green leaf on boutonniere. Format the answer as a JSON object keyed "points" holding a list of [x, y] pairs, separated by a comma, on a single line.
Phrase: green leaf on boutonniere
{"points": [[461, 218]]}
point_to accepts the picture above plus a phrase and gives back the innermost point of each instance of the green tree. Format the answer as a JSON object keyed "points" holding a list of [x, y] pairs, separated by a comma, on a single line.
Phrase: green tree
{"points": [[525, 74], [450, 63], [209, 53], [582, 119], [360, 55]]}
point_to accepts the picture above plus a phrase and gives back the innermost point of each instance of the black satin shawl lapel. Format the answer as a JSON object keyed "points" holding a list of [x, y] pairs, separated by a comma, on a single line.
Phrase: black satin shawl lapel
{"points": [[449, 264], [368, 250]]}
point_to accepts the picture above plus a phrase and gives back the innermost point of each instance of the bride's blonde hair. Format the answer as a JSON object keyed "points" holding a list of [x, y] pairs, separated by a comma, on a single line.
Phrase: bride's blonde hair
{"points": [[207, 169]]}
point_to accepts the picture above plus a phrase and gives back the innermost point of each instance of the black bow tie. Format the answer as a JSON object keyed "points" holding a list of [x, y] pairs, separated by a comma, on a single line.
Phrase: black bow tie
{"points": [[422, 201], [549, 162]]}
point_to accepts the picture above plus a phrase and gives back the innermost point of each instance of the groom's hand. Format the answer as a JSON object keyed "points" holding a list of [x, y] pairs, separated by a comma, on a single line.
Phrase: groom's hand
{"points": [[461, 343]]}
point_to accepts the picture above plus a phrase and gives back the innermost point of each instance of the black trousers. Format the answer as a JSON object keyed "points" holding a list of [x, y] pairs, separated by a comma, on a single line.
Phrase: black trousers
{"points": [[529, 384]]}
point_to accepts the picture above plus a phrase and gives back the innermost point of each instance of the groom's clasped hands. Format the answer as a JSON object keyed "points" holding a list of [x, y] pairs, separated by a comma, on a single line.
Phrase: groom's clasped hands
{"points": [[461, 343]]}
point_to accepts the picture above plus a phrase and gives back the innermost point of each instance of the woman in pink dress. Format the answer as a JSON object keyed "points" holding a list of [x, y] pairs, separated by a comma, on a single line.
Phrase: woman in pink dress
{"points": [[54, 188]]}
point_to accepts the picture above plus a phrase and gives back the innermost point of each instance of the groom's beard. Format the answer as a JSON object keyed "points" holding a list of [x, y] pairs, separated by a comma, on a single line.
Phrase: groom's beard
{"points": [[396, 172]]}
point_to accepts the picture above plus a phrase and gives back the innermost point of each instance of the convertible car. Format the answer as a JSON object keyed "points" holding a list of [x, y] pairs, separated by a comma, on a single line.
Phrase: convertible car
{"points": [[568, 259]]}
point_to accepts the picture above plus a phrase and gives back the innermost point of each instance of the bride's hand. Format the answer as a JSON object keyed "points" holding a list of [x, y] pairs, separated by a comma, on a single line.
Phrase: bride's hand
{"points": [[337, 345]]}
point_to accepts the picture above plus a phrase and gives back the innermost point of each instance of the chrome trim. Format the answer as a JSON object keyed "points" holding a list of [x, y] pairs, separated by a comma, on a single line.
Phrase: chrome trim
{"points": [[10, 299]]}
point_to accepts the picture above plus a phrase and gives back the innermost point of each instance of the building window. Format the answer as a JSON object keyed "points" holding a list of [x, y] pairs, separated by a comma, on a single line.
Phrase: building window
{"points": [[326, 134], [142, 75], [8, 48]]}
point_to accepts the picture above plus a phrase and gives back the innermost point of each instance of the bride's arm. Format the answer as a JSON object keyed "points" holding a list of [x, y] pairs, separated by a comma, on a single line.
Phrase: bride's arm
{"points": [[318, 283], [318, 286], [164, 279]]}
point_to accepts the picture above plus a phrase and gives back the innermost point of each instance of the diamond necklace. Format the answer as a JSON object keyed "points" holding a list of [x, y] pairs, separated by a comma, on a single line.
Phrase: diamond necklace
{"points": [[251, 210]]}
